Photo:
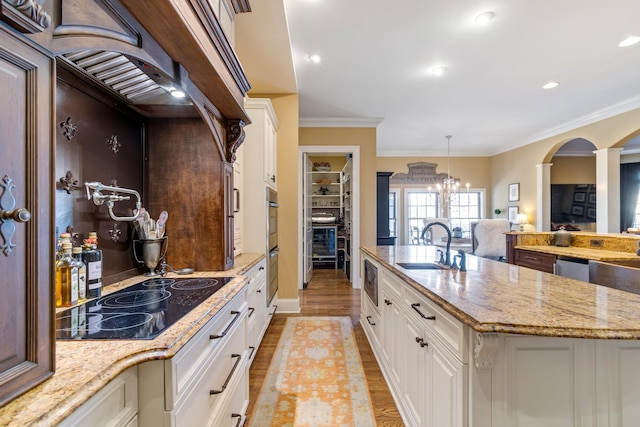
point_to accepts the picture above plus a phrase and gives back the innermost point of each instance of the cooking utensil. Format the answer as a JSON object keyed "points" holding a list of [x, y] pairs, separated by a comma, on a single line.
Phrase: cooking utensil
{"points": [[162, 220]]}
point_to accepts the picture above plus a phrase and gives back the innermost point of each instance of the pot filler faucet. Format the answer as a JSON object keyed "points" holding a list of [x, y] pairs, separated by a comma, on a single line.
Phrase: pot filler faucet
{"points": [[99, 198]]}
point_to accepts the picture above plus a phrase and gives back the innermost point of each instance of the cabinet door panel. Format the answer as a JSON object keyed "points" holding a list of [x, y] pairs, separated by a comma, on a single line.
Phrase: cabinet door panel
{"points": [[26, 287], [447, 382]]}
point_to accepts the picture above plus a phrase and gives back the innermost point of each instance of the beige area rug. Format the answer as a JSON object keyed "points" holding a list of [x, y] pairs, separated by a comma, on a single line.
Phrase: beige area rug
{"points": [[315, 378]]}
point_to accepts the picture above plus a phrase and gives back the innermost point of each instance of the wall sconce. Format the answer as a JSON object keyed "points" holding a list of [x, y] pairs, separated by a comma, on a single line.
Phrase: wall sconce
{"points": [[521, 220]]}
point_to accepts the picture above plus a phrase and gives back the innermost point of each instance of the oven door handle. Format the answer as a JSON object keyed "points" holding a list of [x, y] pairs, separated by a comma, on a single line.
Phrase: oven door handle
{"points": [[274, 252]]}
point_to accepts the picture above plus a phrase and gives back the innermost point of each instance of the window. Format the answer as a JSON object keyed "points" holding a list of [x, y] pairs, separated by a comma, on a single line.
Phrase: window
{"points": [[420, 205], [465, 208], [393, 213]]}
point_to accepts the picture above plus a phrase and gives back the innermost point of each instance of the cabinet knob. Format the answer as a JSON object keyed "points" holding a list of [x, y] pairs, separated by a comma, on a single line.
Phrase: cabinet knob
{"points": [[387, 301]]}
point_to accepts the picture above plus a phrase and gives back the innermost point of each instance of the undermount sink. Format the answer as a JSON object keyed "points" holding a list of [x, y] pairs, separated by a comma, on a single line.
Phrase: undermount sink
{"points": [[421, 266]]}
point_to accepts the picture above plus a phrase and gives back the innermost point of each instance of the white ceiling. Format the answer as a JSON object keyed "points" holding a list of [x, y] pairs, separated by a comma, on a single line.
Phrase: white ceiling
{"points": [[376, 57]]}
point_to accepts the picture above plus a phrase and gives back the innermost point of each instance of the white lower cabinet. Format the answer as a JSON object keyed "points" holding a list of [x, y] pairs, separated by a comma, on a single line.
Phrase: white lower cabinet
{"points": [[207, 377], [442, 374], [113, 406], [258, 318]]}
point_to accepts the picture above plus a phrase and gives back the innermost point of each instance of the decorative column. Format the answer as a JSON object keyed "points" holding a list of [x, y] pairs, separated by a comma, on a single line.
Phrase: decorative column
{"points": [[608, 190], [543, 196]]}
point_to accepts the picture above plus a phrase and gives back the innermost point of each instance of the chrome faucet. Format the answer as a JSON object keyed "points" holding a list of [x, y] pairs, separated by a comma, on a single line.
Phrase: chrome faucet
{"points": [[98, 198], [447, 255]]}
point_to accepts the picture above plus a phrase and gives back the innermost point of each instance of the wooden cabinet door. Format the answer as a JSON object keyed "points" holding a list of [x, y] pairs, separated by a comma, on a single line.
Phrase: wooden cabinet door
{"points": [[26, 256]]}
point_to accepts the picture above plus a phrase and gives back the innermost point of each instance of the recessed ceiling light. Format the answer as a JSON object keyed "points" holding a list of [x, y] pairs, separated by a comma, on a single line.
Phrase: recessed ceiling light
{"points": [[314, 58], [484, 17], [439, 70], [629, 41], [550, 85]]}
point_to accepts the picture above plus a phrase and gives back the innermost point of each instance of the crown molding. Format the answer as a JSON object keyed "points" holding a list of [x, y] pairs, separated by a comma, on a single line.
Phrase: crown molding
{"points": [[339, 122]]}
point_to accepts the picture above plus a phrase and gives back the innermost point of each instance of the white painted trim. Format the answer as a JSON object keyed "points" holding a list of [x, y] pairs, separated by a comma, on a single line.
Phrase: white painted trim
{"points": [[289, 305], [354, 150], [339, 122]]}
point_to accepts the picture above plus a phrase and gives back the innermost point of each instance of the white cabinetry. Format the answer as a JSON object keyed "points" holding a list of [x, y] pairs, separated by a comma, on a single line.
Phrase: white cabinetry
{"points": [[441, 374], [422, 352], [256, 155], [258, 318], [207, 379], [115, 405], [261, 139]]}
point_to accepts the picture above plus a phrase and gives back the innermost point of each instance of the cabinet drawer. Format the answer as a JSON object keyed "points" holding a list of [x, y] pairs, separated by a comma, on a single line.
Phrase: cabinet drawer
{"points": [[444, 327], [186, 367], [536, 260], [115, 405], [216, 383], [393, 284], [371, 319]]}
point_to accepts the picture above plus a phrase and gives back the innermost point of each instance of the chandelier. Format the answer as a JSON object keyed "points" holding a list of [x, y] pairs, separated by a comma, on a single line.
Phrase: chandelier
{"points": [[450, 187]]}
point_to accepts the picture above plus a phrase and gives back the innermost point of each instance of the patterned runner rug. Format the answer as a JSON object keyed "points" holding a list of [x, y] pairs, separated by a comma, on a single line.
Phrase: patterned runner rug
{"points": [[315, 378]]}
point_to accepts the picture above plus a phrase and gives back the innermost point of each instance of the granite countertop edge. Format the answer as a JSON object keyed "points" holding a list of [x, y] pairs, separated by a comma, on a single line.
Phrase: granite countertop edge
{"points": [[72, 384]]}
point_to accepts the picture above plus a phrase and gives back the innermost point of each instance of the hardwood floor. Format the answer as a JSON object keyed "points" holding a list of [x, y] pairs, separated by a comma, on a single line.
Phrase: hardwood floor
{"points": [[329, 294]]}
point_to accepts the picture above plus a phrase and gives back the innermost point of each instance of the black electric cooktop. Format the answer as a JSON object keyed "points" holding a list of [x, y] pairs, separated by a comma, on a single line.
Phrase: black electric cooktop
{"points": [[140, 311]]}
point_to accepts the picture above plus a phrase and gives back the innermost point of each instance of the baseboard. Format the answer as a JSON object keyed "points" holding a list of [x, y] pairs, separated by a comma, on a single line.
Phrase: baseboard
{"points": [[291, 305]]}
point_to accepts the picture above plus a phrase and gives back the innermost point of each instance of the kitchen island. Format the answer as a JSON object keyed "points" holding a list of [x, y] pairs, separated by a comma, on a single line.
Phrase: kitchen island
{"points": [[86, 367], [502, 345]]}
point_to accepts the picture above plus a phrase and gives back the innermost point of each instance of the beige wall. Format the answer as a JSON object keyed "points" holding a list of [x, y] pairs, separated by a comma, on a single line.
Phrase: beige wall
{"points": [[474, 170], [573, 170], [519, 165], [365, 138]]}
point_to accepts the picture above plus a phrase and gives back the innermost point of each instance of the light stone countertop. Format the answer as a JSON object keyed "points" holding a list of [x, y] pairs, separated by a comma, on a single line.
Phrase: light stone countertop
{"points": [[84, 367], [493, 296]]}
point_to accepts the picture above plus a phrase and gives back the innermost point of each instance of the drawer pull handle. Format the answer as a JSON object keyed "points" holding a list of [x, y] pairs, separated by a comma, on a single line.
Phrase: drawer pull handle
{"points": [[387, 301], [275, 307], [226, 382], [253, 349], [226, 331], [251, 310], [239, 417], [415, 307], [261, 268], [370, 322]]}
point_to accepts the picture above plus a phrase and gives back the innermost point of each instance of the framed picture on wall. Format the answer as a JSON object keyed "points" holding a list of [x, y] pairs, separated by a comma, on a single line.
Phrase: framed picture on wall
{"points": [[513, 214], [514, 192], [577, 210], [579, 196]]}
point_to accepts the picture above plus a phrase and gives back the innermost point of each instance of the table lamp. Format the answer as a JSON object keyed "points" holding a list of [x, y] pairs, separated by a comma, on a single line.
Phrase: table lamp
{"points": [[521, 220]]}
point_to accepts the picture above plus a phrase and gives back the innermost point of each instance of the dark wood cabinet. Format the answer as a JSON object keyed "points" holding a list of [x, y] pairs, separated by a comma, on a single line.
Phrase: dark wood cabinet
{"points": [[382, 210], [536, 260], [26, 251], [195, 185]]}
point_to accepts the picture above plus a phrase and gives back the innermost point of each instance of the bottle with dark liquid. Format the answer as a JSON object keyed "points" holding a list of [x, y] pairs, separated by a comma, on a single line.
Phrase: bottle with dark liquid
{"points": [[92, 257]]}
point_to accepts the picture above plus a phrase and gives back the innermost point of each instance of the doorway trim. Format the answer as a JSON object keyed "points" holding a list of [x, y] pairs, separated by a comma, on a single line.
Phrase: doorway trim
{"points": [[354, 150]]}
